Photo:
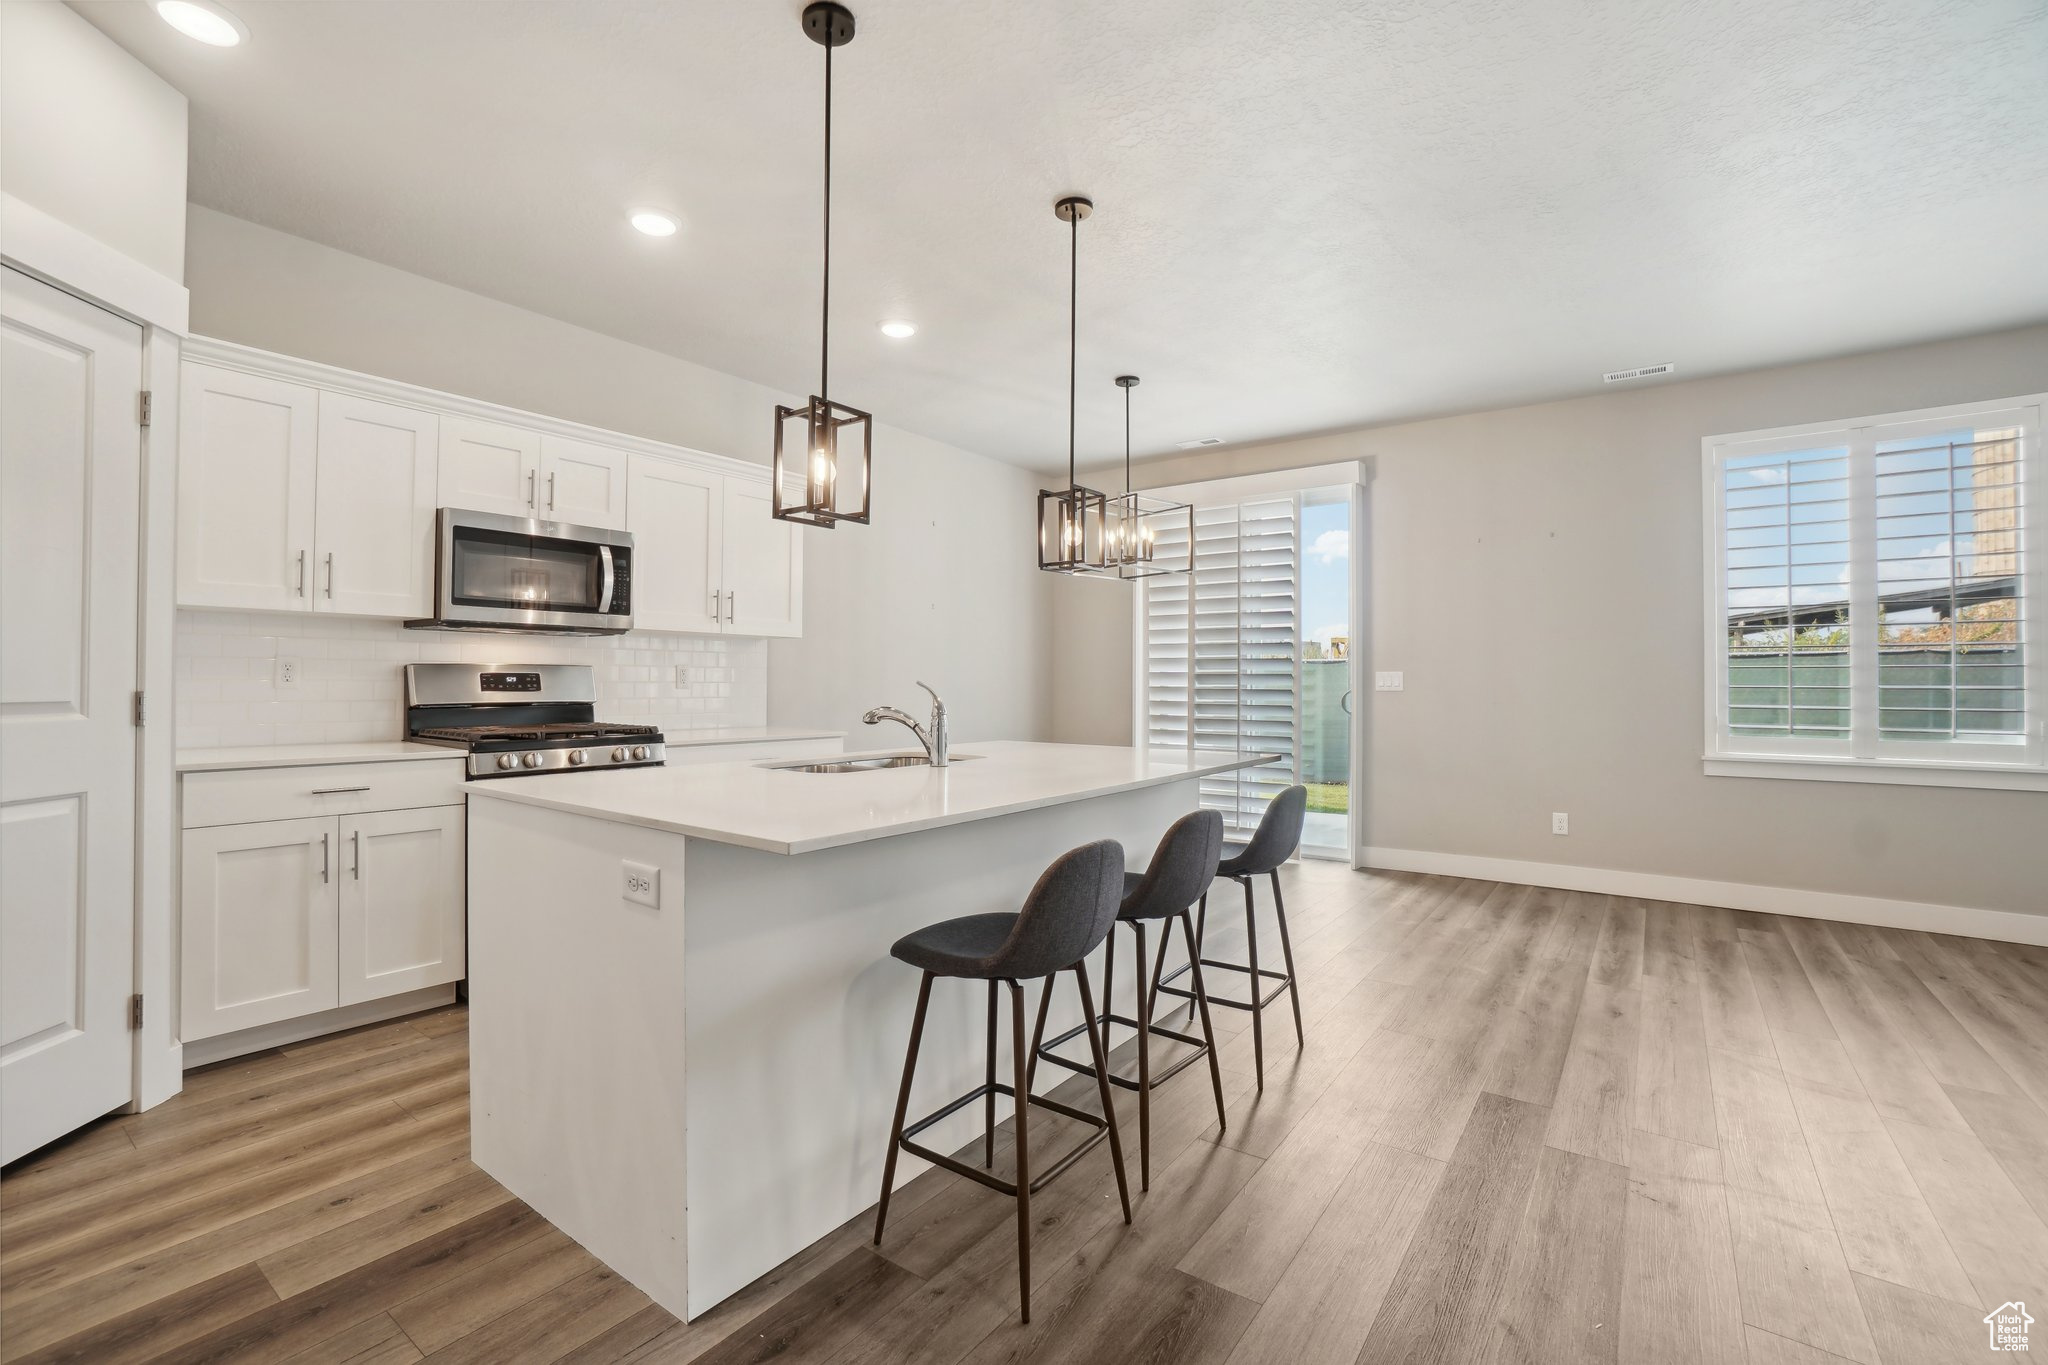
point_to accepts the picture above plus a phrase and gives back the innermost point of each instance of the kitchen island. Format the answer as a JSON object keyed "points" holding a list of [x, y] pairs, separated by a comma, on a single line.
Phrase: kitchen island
{"points": [[686, 1032]]}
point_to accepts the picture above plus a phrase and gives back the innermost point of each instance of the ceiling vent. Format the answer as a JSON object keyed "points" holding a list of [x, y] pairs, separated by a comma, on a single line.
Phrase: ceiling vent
{"points": [[1646, 372], [1205, 441]]}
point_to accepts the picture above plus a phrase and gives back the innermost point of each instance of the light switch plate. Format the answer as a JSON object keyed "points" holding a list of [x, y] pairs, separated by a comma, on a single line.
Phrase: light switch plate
{"points": [[1386, 682], [641, 884]]}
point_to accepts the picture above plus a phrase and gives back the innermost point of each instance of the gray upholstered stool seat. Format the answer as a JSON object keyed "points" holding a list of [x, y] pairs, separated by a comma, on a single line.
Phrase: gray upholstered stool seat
{"points": [[1276, 840], [1063, 920]]}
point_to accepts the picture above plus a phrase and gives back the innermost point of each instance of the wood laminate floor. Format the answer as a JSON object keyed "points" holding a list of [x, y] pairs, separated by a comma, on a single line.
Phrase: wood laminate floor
{"points": [[1529, 1125]]}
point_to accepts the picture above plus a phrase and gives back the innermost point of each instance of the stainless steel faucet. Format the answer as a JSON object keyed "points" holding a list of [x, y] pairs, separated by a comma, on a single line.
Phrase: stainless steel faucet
{"points": [[933, 738]]}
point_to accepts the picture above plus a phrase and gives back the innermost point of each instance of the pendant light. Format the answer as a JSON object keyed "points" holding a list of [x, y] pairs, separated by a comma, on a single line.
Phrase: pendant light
{"points": [[1072, 521], [1134, 520], [826, 448]]}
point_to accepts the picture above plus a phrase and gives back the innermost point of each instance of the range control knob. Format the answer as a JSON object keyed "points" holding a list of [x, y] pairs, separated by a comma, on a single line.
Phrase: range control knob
{"points": [[577, 758], [530, 760], [639, 753], [619, 755], [508, 761]]}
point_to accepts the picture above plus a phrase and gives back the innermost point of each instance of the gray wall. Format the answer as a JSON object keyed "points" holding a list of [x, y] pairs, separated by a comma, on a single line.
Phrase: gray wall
{"points": [[941, 587], [1536, 573]]}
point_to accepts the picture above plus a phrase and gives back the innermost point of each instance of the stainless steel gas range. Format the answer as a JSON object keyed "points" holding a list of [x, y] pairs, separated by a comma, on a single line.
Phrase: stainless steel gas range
{"points": [[515, 720]]}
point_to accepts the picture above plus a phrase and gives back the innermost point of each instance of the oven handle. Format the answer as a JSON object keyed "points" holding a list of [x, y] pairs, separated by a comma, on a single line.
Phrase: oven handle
{"points": [[604, 602]]}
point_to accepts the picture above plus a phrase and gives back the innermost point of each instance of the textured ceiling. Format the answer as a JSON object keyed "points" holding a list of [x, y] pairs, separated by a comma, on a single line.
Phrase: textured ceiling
{"points": [[1311, 213]]}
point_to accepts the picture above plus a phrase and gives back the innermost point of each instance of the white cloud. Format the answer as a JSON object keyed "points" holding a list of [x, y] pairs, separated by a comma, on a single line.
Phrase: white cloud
{"points": [[1331, 546]]}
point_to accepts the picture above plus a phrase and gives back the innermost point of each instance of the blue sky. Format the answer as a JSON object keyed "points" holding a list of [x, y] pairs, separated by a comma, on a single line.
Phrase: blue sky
{"points": [[1325, 570]]}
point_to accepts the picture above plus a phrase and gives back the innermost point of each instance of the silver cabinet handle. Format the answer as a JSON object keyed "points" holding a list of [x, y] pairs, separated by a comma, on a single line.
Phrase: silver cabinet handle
{"points": [[551, 490], [301, 589], [323, 857], [529, 489], [716, 598], [330, 573], [355, 840], [732, 608], [336, 791]]}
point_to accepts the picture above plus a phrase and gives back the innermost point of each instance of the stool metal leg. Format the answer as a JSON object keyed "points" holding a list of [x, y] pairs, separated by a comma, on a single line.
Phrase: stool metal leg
{"points": [[1287, 953], [1097, 1044], [988, 1139], [1021, 1063], [1202, 1002], [1251, 938], [924, 998], [1038, 1030], [1144, 1059]]}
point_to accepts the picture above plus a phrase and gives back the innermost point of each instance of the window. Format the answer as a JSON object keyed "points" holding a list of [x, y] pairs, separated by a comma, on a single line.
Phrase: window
{"points": [[1876, 592]]}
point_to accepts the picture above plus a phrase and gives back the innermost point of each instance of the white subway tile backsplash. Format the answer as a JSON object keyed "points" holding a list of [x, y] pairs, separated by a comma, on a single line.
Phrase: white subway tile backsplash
{"points": [[351, 686]]}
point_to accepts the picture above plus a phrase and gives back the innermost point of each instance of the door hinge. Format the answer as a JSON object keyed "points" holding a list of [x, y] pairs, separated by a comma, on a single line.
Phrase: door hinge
{"points": [[135, 1011], [142, 417], [141, 710]]}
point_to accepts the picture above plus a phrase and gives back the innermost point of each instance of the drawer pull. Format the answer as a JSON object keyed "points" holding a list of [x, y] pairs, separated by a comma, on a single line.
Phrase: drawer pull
{"points": [[337, 791]]}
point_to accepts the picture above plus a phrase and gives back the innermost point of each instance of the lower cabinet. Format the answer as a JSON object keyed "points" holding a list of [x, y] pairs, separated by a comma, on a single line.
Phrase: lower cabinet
{"points": [[285, 918]]}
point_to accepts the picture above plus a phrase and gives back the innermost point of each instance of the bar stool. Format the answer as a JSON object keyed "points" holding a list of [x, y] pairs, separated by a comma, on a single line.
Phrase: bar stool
{"points": [[1066, 915], [1272, 843], [1182, 868]]}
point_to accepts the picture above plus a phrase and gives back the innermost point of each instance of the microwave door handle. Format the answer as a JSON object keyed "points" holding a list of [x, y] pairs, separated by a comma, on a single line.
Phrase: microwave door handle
{"points": [[604, 557]]}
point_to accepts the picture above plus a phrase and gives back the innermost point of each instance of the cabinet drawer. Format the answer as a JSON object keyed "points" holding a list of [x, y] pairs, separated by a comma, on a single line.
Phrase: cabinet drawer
{"points": [[249, 794]]}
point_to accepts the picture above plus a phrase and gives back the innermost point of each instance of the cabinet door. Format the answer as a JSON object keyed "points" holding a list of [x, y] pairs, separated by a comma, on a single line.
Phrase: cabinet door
{"points": [[401, 875], [764, 575], [258, 910], [581, 483], [373, 525], [486, 467], [676, 512], [245, 490]]}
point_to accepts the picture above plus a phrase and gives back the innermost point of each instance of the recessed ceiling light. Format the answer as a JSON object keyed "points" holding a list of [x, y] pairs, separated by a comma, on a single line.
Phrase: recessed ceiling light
{"points": [[899, 330], [654, 224], [204, 20]]}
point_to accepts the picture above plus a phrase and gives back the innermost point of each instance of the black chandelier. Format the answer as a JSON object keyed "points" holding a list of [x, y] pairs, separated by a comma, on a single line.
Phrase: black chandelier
{"points": [[1133, 521], [1072, 521], [826, 448]]}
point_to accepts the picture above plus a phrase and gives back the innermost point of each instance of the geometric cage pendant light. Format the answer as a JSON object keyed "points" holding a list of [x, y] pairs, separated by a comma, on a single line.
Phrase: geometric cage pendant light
{"points": [[1073, 528], [825, 449], [1134, 522]]}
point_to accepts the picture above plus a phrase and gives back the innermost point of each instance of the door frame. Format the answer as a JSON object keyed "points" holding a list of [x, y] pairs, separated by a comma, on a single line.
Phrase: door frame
{"points": [[59, 255]]}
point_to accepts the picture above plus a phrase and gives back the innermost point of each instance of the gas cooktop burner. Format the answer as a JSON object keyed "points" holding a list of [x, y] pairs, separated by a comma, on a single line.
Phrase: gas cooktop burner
{"points": [[516, 721], [558, 730]]}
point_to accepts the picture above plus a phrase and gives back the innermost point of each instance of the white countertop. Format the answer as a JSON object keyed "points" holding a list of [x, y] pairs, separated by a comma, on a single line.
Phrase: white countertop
{"points": [[387, 751], [755, 806]]}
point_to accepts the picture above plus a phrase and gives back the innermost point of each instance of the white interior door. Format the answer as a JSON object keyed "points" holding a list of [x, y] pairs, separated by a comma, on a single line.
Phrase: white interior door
{"points": [[373, 525], [486, 467], [258, 907], [764, 581], [70, 499], [401, 880], [582, 483], [676, 554], [245, 490]]}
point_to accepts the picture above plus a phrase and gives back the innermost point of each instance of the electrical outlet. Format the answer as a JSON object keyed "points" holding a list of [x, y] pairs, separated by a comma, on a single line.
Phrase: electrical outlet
{"points": [[287, 672], [1560, 823], [641, 884], [682, 675], [1386, 682]]}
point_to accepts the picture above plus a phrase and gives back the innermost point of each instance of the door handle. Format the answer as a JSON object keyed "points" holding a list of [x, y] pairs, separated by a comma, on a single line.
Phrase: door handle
{"points": [[301, 588], [551, 490], [355, 867], [323, 857], [336, 791], [610, 580], [529, 489], [330, 573]]}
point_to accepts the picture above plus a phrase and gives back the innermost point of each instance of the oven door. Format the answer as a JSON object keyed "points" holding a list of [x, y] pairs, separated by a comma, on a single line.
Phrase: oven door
{"points": [[499, 573]]}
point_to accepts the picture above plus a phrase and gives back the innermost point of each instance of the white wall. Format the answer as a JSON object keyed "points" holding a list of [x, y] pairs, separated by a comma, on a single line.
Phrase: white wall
{"points": [[91, 136], [942, 586], [1535, 573]]}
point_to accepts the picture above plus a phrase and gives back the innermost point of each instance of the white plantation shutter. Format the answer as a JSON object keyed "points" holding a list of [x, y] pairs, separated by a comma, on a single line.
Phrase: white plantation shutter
{"points": [[1222, 649]]}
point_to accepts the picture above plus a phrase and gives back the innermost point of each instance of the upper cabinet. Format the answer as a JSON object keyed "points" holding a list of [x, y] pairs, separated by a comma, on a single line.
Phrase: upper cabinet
{"points": [[710, 559], [307, 489]]}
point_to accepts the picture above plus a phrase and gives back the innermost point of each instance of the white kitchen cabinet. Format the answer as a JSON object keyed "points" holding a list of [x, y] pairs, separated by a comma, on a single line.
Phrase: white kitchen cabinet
{"points": [[245, 490], [709, 558], [581, 482], [487, 467], [258, 906], [763, 559], [373, 509], [676, 511], [401, 911]]}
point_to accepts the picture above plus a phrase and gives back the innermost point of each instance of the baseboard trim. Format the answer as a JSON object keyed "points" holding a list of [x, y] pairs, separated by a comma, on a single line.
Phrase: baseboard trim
{"points": [[206, 1051], [2006, 926]]}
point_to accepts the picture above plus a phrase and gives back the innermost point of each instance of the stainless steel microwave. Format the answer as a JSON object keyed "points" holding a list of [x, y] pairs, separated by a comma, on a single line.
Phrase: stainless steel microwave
{"points": [[517, 574]]}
